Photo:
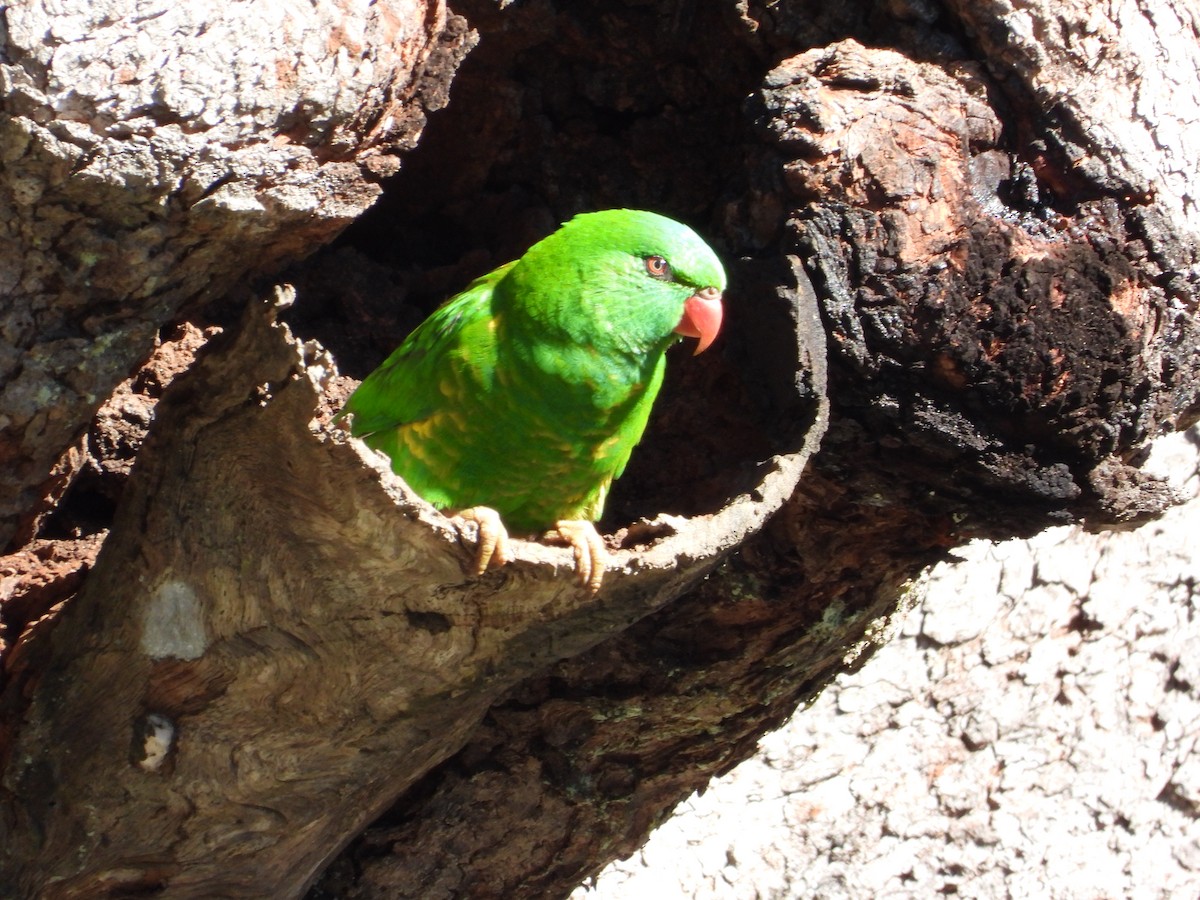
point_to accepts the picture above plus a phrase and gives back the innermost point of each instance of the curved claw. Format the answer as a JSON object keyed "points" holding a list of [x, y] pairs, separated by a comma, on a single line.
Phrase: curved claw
{"points": [[591, 556], [493, 537]]}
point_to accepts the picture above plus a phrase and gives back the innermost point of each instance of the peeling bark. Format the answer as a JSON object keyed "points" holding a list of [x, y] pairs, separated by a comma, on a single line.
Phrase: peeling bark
{"points": [[1023, 350]]}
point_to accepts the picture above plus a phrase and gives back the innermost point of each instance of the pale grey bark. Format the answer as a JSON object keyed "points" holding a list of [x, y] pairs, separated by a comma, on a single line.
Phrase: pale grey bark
{"points": [[154, 154], [1119, 78], [1031, 732]]}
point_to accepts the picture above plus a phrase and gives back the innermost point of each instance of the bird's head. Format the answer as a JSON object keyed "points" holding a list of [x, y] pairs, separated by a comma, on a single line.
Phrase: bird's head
{"points": [[620, 279]]}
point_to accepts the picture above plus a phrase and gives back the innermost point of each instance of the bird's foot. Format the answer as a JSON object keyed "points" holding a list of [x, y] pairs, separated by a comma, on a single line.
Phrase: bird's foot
{"points": [[591, 556], [492, 544]]}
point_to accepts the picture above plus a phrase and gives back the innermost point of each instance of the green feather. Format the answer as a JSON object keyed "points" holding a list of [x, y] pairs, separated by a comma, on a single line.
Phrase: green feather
{"points": [[528, 391]]}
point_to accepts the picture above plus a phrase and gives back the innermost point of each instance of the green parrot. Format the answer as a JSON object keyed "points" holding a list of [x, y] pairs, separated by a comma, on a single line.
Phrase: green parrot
{"points": [[519, 400]]}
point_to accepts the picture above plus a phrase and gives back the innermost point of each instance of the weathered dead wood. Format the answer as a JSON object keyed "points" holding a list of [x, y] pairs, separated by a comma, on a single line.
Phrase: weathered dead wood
{"points": [[278, 638], [154, 154]]}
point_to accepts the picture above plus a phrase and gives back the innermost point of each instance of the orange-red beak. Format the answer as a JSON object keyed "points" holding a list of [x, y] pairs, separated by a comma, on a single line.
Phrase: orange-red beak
{"points": [[702, 314]]}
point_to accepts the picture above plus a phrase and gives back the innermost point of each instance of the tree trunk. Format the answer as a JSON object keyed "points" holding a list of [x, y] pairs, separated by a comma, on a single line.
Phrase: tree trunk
{"points": [[155, 155], [1029, 732], [278, 647]]}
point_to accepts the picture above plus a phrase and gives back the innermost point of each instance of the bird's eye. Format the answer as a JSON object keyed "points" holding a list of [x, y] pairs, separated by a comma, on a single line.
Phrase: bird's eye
{"points": [[658, 267]]}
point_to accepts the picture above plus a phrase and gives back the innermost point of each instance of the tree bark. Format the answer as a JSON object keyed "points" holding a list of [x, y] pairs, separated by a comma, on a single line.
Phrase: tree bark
{"points": [[157, 154], [1029, 732], [277, 644]]}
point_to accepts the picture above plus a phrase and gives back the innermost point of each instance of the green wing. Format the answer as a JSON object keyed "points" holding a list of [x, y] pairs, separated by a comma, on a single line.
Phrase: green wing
{"points": [[411, 385]]}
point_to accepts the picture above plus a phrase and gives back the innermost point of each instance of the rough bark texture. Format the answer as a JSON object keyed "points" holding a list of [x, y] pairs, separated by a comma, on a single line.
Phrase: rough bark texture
{"points": [[1029, 733], [1007, 278], [154, 155]]}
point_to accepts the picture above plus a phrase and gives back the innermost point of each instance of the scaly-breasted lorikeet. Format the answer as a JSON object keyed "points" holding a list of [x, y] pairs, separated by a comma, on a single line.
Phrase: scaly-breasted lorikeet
{"points": [[520, 399]]}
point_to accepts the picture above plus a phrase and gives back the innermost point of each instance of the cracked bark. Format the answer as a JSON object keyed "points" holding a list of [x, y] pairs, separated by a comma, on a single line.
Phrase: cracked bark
{"points": [[1006, 279], [154, 158]]}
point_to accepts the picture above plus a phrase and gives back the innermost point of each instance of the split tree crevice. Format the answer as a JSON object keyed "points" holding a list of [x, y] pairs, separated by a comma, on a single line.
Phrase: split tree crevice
{"points": [[257, 554], [278, 649]]}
